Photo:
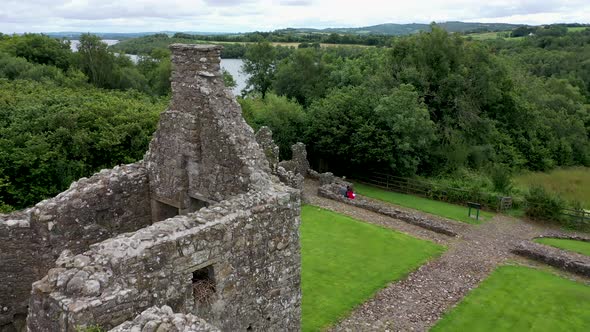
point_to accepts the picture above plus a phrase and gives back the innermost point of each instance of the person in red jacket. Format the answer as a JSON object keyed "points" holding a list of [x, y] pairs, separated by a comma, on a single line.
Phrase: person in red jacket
{"points": [[349, 192]]}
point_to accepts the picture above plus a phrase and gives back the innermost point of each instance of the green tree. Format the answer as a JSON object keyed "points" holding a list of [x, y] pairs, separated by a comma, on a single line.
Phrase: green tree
{"points": [[96, 61], [260, 64], [286, 118], [302, 76]]}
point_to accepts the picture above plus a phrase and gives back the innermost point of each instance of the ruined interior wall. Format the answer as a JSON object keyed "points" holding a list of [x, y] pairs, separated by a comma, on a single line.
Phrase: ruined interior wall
{"points": [[203, 147], [17, 266], [91, 210], [252, 242]]}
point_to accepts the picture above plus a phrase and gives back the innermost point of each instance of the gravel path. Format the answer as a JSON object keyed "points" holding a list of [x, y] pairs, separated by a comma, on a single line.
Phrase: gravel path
{"points": [[417, 302]]}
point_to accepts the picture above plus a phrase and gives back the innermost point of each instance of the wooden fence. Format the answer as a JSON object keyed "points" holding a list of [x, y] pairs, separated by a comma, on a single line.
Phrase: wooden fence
{"points": [[455, 195], [431, 190]]}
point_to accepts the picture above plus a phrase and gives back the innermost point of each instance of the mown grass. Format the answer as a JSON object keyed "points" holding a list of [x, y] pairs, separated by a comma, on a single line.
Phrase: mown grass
{"points": [[572, 184], [345, 261], [580, 247], [443, 209], [516, 298]]}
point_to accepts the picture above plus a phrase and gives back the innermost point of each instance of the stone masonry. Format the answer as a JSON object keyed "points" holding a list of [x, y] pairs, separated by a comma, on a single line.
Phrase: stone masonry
{"points": [[163, 319], [199, 228]]}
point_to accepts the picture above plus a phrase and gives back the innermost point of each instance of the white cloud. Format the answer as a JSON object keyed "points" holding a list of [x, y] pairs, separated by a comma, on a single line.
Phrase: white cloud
{"points": [[250, 15]]}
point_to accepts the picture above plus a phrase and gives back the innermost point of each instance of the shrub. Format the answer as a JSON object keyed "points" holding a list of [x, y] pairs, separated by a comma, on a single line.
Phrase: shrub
{"points": [[501, 179], [542, 205]]}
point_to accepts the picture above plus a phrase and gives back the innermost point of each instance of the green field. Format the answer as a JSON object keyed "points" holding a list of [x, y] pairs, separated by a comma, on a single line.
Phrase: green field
{"points": [[493, 35], [345, 261], [569, 183], [580, 247], [446, 210], [515, 298], [576, 29]]}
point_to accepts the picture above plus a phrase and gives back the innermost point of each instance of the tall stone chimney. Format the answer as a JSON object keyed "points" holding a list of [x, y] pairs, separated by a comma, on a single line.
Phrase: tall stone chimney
{"points": [[203, 151]]}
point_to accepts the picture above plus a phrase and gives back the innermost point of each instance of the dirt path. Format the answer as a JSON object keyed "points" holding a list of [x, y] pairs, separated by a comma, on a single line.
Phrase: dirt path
{"points": [[417, 302]]}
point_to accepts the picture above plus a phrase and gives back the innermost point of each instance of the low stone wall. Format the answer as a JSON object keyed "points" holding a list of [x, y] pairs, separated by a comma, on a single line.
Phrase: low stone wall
{"points": [[576, 237], [249, 245], [332, 191], [562, 259], [163, 319]]}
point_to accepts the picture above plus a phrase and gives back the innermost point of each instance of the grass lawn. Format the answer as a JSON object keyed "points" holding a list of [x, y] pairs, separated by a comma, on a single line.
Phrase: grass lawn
{"points": [[447, 210], [516, 298], [580, 247], [345, 261]]}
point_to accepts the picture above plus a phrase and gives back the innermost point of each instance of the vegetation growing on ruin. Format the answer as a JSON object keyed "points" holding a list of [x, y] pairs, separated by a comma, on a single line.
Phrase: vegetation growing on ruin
{"points": [[515, 298], [581, 247], [344, 262]]}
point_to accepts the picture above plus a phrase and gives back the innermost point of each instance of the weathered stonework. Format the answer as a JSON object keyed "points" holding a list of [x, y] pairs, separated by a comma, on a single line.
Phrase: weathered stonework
{"points": [[199, 225], [559, 258], [91, 210], [271, 150], [298, 163], [163, 319], [333, 191]]}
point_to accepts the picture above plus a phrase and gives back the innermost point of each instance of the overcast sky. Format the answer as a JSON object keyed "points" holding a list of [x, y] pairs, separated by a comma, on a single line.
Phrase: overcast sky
{"points": [[264, 15]]}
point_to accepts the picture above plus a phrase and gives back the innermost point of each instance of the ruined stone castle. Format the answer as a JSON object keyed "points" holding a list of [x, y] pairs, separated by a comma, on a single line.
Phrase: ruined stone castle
{"points": [[198, 236]]}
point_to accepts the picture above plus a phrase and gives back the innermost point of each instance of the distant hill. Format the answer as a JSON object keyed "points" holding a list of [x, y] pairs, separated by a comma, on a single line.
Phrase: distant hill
{"points": [[406, 29], [392, 29]]}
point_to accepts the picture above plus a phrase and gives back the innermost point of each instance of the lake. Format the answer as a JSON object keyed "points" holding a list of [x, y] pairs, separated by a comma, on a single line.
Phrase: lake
{"points": [[233, 66]]}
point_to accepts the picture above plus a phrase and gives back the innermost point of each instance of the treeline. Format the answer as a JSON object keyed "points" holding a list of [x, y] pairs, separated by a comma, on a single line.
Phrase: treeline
{"points": [[287, 36], [63, 115], [431, 105]]}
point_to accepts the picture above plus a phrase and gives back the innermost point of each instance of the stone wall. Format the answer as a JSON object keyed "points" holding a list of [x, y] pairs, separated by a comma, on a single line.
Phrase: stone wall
{"points": [[267, 144], [333, 190], [251, 242], [203, 149], [224, 243], [559, 258], [91, 210], [298, 163], [17, 267], [94, 209], [164, 319]]}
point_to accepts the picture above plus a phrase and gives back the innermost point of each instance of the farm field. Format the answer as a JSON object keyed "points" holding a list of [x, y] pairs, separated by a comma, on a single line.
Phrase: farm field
{"points": [[570, 183], [443, 209], [580, 247], [515, 298], [345, 261]]}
